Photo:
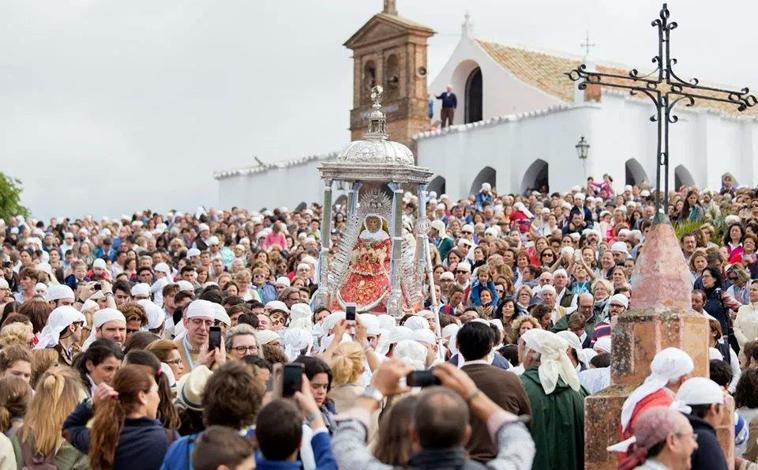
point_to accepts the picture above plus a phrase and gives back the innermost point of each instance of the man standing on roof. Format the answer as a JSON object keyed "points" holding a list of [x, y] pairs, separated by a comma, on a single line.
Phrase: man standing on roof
{"points": [[449, 103]]}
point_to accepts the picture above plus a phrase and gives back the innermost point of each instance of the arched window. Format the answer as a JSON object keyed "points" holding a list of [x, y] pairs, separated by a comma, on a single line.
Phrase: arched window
{"points": [[682, 177], [392, 78], [437, 184], [486, 175], [473, 112], [368, 80], [635, 174], [536, 177]]}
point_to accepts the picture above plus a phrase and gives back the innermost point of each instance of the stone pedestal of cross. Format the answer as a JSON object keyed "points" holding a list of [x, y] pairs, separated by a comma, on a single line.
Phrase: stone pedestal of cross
{"points": [[660, 315]]}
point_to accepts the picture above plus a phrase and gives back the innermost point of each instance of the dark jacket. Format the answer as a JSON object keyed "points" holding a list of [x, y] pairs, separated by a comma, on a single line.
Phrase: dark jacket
{"points": [[498, 361], [505, 389], [322, 453], [142, 440], [449, 100], [708, 455]]}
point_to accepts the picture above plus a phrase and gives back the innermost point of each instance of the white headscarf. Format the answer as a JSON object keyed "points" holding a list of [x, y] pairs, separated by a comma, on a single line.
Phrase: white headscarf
{"points": [[554, 362], [519, 206], [295, 341], [59, 320], [412, 353], [667, 365], [99, 319]]}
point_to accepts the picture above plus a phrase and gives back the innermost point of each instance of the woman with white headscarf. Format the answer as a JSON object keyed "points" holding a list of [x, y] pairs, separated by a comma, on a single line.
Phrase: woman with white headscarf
{"points": [[557, 400]]}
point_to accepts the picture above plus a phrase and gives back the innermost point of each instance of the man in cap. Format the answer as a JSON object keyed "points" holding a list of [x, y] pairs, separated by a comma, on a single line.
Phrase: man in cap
{"points": [[199, 317], [110, 324], [59, 294], [100, 271], [563, 296], [702, 403], [581, 209], [620, 252], [62, 332], [663, 439], [556, 399], [141, 291], [447, 280], [201, 241], [463, 276], [617, 305], [668, 370]]}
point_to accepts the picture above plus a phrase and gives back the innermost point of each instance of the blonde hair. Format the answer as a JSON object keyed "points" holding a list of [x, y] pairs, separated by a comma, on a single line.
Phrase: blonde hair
{"points": [[15, 333], [58, 392], [42, 360], [347, 363]]}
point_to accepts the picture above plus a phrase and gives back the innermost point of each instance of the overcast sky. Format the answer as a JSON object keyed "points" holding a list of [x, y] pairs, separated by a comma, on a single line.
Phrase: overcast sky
{"points": [[111, 106]]}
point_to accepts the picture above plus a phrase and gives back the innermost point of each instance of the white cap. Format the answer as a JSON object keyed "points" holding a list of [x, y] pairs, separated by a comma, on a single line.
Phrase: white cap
{"points": [[464, 265], [301, 311], [213, 240], [192, 252], [201, 308], [219, 313], [185, 286], [603, 344], [283, 281], [619, 247], [416, 323], [141, 290], [424, 336], [163, 268], [58, 292], [59, 319], [619, 299], [203, 227], [4, 285], [411, 353], [277, 305], [99, 263], [155, 315], [699, 391], [368, 320]]}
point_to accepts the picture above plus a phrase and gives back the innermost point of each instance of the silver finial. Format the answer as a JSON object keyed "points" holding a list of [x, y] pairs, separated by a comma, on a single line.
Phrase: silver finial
{"points": [[376, 119]]}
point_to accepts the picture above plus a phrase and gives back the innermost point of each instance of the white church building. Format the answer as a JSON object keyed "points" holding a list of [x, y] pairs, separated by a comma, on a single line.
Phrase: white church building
{"points": [[516, 126]]}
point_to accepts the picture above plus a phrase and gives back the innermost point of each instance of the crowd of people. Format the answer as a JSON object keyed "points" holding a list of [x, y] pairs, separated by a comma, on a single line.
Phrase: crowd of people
{"points": [[106, 356]]}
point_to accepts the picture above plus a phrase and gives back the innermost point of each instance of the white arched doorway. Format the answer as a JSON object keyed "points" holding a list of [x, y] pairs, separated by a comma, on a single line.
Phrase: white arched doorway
{"points": [[474, 97], [536, 177], [635, 174], [486, 175], [437, 185], [682, 177], [462, 79]]}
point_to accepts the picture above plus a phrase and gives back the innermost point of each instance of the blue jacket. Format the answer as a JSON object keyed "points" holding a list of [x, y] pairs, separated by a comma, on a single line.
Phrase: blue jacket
{"points": [[267, 292], [179, 455], [142, 440], [476, 290], [322, 453]]}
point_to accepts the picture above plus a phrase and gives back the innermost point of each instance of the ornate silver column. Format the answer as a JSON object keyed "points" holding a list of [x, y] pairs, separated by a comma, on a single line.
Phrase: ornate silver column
{"points": [[352, 198], [424, 255], [395, 301], [322, 294]]}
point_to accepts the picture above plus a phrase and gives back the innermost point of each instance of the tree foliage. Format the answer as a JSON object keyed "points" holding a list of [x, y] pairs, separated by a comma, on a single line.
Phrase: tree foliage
{"points": [[10, 197]]}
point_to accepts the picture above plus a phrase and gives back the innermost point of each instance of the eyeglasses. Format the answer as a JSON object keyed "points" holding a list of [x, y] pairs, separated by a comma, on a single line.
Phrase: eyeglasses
{"points": [[244, 349], [174, 362]]}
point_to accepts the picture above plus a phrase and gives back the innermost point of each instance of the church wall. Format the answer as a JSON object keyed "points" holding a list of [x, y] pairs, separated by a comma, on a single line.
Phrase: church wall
{"points": [[273, 188], [502, 93]]}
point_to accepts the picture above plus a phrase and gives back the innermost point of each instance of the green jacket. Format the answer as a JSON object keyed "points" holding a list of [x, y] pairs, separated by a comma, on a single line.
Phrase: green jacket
{"points": [[67, 457], [557, 424]]}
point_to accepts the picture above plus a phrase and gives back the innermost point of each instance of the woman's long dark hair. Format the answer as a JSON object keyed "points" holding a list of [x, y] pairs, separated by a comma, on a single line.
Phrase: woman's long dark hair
{"points": [[99, 351], [110, 414], [167, 413]]}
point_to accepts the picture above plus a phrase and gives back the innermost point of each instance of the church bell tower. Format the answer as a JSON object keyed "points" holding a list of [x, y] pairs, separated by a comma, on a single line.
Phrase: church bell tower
{"points": [[390, 51]]}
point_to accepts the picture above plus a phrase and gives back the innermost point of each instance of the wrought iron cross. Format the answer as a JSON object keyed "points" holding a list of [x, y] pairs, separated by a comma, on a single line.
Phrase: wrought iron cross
{"points": [[587, 44], [666, 90]]}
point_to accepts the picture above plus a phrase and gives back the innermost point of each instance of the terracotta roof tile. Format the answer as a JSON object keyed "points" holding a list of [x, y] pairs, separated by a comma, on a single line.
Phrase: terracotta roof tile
{"points": [[546, 72]]}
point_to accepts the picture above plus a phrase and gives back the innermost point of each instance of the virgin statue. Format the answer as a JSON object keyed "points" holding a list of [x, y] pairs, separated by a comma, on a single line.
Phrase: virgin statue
{"points": [[368, 279]]}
